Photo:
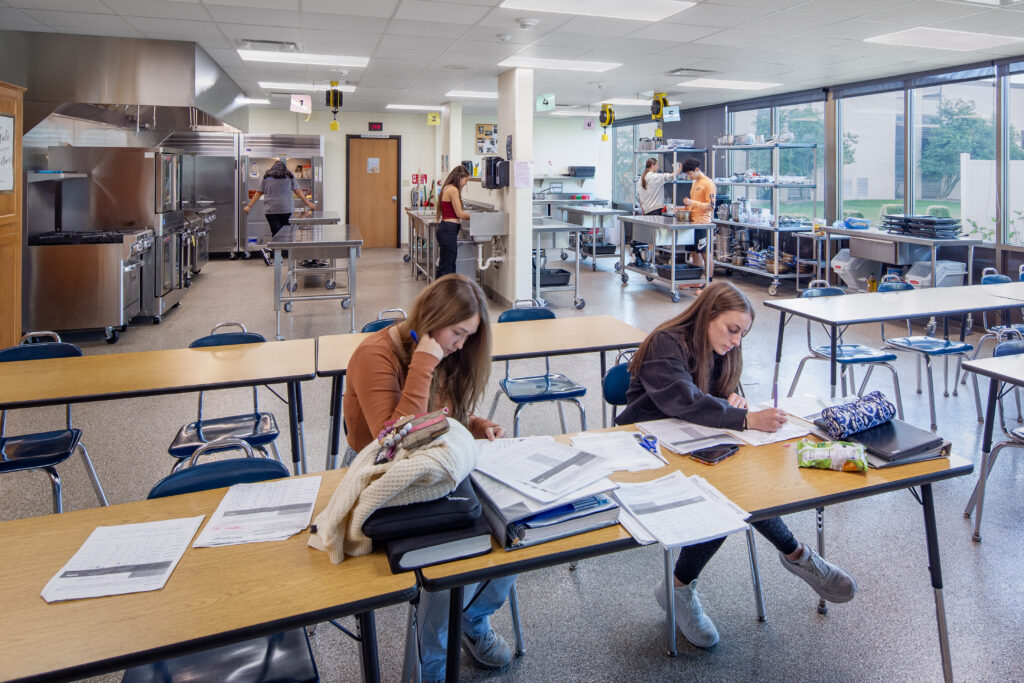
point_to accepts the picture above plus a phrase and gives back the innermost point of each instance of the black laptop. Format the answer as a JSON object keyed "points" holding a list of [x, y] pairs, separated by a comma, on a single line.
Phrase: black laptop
{"points": [[894, 440]]}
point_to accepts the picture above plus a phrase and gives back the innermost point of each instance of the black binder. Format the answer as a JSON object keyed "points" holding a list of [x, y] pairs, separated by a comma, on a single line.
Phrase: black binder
{"points": [[413, 552], [893, 440], [460, 508]]}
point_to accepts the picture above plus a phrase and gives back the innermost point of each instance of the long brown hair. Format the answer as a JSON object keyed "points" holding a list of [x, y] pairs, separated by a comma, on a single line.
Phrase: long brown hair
{"points": [[454, 178], [460, 378], [690, 330], [648, 165]]}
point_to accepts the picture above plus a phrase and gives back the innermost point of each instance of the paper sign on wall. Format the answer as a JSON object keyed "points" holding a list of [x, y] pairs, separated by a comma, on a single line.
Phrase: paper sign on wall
{"points": [[588, 124], [373, 164], [6, 153], [302, 104], [523, 173], [546, 102], [419, 178], [433, 119]]}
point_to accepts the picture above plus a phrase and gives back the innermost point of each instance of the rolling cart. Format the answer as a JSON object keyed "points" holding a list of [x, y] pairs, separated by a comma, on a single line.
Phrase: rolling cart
{"points": [[662, 231]]}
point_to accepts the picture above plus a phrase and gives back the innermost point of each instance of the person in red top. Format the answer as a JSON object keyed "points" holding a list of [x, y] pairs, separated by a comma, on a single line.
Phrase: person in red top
{"points": [[449, 211]]}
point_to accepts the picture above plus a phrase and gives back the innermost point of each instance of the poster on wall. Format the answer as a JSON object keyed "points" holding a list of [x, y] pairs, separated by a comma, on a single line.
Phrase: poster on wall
{"points": [[373, 164], [6, 153], [486, 138]]}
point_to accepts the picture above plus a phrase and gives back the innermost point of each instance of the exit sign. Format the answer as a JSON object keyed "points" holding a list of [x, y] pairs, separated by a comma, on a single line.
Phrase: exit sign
{"points": [[376, 126]]}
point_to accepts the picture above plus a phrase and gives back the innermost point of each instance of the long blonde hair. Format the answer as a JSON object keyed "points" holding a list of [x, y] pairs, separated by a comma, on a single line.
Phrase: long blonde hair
{"points": [[454, 178], [648, 165], [690, 330], [461, 377]]}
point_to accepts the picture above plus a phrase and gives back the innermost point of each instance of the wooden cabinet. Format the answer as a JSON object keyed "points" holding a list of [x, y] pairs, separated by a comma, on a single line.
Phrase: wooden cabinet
{"points": [[10, 217]]}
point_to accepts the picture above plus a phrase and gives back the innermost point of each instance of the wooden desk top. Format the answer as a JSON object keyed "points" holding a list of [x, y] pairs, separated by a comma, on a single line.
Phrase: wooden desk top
{"points": [[527, 339], [881, 306], [214, 596], [145, 373], [765, 481], [1004, 368]]}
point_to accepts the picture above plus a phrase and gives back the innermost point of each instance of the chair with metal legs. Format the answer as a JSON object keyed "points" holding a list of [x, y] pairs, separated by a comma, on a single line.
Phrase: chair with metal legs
{"points": [[546, 388], [44, 450], [258, 429], [283, 656], [1014, 439], [383, 321], [847, 355], [927, 347]]}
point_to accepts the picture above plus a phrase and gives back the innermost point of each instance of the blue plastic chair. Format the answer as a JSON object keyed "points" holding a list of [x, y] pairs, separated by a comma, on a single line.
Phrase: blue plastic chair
{"points": [[847, 355], [283, 656], [381, 322], [258, 429], [1014, 439], [44, 450], [1007, 330], [926, 347], [524, 391]]}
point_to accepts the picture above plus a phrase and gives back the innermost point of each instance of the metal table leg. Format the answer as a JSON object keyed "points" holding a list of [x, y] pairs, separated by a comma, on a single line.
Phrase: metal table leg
{"points": [[935, 568], [833, 335], [451, 667], [778, 358], [368, 647], [670, 601], [277, 291], [334, 445], [604, 405], [986, 450], [293, 424], [353, 253]]}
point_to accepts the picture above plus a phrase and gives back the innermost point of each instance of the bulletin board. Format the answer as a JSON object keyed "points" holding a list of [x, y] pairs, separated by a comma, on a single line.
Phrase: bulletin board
{"points": [[486, 138]]}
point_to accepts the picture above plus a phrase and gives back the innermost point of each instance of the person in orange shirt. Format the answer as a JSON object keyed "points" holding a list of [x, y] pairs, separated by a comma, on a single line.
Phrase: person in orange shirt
{"points": [[701, 204]]}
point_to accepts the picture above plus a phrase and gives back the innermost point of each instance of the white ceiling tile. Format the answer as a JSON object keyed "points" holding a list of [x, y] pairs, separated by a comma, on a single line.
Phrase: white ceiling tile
{"points": [[335, 42], [258, 16], [714, 14], [263, 4], [787, 22], [165, 9], [403, 27], [629, 49], [377, 8], [601, 26], [549, 52], [670, 32], [239, 31], [770, 4], [737, 38], [416, 47], [90, 6], [393, 66], [924, 13], [993, 21], [845, 9], [83, 23], [182, 29], [583, 41], [418, 10], [854, 29], [505, 19], [482, 50], [225, 57], [16, 20], [343, 22]]}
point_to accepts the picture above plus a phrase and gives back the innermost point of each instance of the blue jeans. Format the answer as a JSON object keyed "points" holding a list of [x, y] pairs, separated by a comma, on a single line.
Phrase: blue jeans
{"points": [[432, 620]]}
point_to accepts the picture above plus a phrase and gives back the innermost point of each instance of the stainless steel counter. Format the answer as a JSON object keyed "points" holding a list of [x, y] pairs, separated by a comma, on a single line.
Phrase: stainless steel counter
{"points": [[664, 231], [326, 218], [315, 242]]}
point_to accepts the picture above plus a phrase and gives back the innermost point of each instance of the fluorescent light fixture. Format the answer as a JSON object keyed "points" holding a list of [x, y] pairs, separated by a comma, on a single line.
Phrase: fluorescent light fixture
{"points": [[478, 94], [642, 10], [415, 107], [257, 100], [718, 83], [302, 87], [629, 102], [301, 58], [576, 112], [562, 64], [943, 39]]}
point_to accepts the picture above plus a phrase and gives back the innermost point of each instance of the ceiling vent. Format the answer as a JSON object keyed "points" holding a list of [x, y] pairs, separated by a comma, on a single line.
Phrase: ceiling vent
{"points": [[269, 45], [685, 71]]}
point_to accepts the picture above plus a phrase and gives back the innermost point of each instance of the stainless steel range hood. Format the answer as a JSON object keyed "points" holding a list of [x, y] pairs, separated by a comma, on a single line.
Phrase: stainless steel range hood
{"points": [[145, 85]]}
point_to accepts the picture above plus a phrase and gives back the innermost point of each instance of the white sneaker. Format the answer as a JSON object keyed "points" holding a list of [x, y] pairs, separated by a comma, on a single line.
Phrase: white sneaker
{"points": [[695, 626], [829, 581]]}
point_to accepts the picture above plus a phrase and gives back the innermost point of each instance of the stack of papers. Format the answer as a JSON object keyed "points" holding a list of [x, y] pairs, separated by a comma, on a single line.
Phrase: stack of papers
{"points": [[677, 510], [267, 511], [620, 450], [685, 437], [540, 467], [129, 558]]}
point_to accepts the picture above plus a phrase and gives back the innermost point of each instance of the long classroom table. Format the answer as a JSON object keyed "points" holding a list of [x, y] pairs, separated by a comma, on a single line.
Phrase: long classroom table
{"points": [[102, 377], [764, 481], [1004, 369], [214, 597], [872, 307], [510, 341]]}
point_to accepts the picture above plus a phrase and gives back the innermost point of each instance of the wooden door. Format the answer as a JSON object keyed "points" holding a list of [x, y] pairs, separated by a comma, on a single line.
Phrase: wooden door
{"points": [[373, 204], [10, 214]]}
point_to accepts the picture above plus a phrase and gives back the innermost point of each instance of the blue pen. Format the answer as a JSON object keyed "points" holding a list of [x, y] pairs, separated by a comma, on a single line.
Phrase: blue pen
{"points": [[415, 337]]}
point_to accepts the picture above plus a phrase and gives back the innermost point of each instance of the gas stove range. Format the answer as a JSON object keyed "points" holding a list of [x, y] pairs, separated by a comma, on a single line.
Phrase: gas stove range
{"points": [[137, 241]]}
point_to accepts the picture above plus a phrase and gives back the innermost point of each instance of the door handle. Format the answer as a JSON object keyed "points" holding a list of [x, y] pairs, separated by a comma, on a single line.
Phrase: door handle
{"points": [[394, 199]]}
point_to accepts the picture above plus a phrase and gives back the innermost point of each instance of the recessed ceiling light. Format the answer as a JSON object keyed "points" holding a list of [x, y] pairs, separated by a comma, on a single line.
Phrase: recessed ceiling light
{"points": [[629, 102], [562, 64], [642, 10], [479, 94], [257, 100], [297, 87], [726, 85], [301, 58], [415, 107], [942, 39]]}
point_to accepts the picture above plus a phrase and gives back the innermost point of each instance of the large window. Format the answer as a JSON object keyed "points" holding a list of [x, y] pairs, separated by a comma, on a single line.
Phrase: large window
{"points": [[1014, 223], [954, 139], [872, 131], [807, 124]]}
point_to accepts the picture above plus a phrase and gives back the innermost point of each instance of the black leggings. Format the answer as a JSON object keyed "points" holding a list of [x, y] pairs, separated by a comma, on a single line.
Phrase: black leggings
{"points": [[448, 247], [277, 221], [692, 558]]}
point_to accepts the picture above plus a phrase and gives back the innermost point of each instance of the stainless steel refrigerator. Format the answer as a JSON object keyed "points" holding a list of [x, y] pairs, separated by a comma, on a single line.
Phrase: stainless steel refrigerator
{"points": [[303, 154], [211, 179]]}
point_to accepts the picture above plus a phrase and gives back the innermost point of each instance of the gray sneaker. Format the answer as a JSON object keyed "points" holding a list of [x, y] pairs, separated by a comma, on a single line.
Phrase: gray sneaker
{"points": [[489, 651], [827, 580], [695, 626]]}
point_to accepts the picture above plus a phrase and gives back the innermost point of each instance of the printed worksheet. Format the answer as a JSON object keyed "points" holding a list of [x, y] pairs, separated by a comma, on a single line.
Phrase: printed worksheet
{"points": [[555, 468], [679, 511], [620, 449], [128, 558], [684, 437], [265, 511]]}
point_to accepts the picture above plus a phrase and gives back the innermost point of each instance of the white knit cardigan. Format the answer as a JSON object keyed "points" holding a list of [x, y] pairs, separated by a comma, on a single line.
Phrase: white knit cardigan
{"points": [[426, 473]]}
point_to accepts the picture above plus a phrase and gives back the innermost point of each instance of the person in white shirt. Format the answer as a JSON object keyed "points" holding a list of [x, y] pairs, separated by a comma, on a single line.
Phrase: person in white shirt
{"points": [[651, 192]]}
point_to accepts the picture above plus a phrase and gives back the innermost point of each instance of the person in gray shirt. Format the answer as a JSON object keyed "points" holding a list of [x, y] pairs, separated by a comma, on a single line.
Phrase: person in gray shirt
{"points": [[278, 184]]}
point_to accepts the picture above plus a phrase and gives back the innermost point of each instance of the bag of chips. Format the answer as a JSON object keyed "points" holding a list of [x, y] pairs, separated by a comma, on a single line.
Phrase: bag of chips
{"points": [[832, 455]]}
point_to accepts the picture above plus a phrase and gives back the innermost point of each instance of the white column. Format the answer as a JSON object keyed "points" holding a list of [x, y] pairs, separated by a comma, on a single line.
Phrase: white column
{"points": [[451, 138], [515, 118]]}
